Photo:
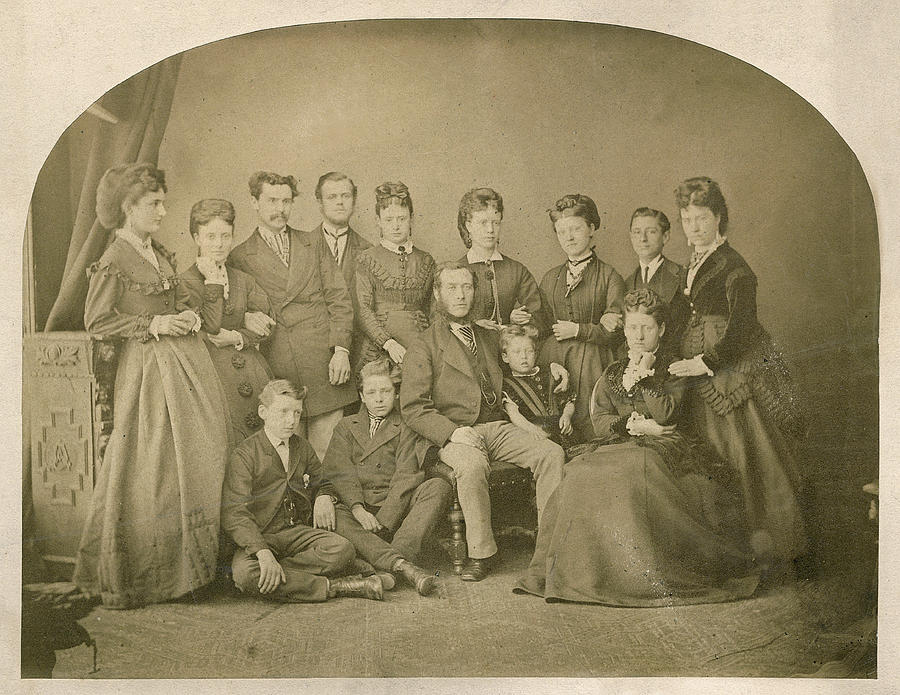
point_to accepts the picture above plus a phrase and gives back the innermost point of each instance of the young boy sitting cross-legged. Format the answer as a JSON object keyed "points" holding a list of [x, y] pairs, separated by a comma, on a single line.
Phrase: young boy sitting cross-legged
{"points": [[274, 494], [375, 463]]}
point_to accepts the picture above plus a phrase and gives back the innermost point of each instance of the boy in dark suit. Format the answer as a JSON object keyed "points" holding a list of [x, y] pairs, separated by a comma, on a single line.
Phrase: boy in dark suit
{"points": [[376, 464], [277, 505], [649, 233], [530, 400]]}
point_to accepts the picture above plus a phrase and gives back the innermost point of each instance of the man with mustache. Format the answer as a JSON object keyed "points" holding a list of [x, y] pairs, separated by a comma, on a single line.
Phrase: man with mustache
{"points": [[312, 309], [451, 394]]}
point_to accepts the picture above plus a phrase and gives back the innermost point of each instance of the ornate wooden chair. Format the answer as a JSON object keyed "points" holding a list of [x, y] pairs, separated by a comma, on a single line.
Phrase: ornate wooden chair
{"points": [[513, 509]]}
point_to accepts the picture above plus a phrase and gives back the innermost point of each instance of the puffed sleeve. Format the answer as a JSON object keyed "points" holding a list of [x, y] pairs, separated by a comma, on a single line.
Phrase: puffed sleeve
{"points": [[743, 326], [663, 397], [605, 415], [529, 294], [102, 319], [365, 301]]}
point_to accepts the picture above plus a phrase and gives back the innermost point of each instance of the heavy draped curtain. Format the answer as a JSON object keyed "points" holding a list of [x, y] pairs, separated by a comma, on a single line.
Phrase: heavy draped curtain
{"points": [[142, 104]]}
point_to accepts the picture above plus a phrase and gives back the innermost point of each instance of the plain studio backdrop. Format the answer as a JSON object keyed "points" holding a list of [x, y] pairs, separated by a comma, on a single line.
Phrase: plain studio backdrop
{"points": [[535, 110]]}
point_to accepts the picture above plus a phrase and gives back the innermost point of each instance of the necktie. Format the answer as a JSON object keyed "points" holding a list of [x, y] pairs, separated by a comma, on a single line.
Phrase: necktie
{"points": [[468, 336], [280, 244], [646, 273], [374, 423], [334, 244], [283, 454]]}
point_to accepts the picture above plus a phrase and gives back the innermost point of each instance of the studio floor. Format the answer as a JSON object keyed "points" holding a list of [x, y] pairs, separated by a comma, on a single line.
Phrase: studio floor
{"points": [[481, 629]]}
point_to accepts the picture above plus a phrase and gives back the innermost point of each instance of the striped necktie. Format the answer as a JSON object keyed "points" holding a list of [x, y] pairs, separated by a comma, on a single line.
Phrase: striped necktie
{"points": [[468, 337], [374, 423]]}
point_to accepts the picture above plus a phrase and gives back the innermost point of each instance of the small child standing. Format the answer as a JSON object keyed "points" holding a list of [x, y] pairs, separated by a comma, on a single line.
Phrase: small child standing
{"points": [[530, 401]]}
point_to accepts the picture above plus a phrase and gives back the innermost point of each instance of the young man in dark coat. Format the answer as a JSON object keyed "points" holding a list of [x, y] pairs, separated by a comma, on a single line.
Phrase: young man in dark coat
{"points": [[278, 508], [310, 344], [376, 465]]}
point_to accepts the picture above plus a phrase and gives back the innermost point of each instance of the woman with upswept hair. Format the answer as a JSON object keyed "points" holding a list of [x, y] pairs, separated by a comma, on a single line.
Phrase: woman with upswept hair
{"points": [[742, 399], [646, 516], [153, 530], [393, 280], [228, 300], [583, 301]]}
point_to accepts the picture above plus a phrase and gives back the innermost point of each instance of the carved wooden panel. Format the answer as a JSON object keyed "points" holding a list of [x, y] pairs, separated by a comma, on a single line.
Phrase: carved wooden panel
{"points": [[69, 417]]}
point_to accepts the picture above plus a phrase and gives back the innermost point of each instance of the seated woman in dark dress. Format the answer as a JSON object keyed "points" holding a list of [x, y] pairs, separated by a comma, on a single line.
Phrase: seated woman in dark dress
{"points": [[647, 518]]}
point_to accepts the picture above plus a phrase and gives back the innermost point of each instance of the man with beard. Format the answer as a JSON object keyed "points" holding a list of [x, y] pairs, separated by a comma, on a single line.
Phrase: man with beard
{"points": [[451, 394], [312, 308]]}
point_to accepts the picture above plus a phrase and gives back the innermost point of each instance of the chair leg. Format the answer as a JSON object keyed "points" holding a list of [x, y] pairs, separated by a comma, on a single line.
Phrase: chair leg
{"points": [[455, 546]]}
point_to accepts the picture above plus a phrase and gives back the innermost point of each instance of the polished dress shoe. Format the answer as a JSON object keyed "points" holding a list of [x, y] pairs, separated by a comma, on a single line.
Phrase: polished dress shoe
{"points": [[357, 587], [416, 576], [476, 569]]}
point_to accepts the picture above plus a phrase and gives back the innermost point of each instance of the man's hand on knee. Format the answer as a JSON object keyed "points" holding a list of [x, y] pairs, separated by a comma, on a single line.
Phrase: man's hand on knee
{"points": [[366, 519], [271, 574]]}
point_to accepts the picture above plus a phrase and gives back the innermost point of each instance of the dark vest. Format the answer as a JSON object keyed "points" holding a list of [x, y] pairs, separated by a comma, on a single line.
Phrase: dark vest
{"points": [[491, 407]]}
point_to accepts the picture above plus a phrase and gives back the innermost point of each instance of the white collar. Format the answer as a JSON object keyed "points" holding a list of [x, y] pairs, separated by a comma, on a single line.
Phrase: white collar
{"points": [[455, 326], [275, 442], [473, 257], [265, 230], [711, 247], [652, 265], [654, 351], [532, 373], [135, 240], [395, 248], [334, 231]]}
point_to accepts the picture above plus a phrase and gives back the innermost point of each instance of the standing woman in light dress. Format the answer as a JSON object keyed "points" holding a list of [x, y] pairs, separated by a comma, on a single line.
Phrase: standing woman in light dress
{"points": [[583, 298], [153, 529], [393, 280], [742, 400]]}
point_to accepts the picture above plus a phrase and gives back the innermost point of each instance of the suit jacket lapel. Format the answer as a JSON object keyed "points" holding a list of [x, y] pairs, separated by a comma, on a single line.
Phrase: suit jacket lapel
{"points": [[385, 433], [359, 428], [303, 264], [455, 353], [293, 457]]}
